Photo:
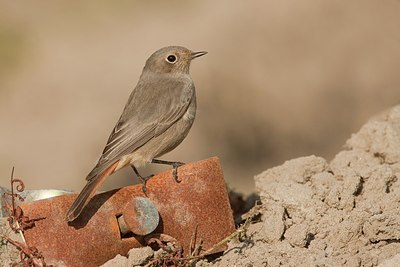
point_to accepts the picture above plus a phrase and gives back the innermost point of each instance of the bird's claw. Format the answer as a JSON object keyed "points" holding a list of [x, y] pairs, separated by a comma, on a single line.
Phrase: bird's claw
{"points": [[175, 166], [143, 180]]}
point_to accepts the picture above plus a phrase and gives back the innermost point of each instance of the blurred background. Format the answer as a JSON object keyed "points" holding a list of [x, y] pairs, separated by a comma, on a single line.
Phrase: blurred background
{"points": [[282, 79]]}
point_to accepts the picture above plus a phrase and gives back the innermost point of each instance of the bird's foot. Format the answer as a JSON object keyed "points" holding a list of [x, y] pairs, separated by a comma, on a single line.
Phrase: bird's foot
{"points": [[142, 179], [175, 165]]}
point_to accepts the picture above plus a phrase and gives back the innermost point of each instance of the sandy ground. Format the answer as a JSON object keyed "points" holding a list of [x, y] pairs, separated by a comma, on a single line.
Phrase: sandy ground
{"points": [[318, 213]]}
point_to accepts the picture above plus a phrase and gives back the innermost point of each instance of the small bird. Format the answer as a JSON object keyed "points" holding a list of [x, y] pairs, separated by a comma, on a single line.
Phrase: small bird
{"points": [[157, 117]]}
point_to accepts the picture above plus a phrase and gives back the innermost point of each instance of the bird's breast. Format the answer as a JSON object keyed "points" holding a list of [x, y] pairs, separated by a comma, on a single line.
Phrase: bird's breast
{"points": [[190, 113]]}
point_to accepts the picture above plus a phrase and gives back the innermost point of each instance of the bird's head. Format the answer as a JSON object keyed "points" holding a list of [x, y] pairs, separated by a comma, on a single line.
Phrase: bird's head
{"points": [[171, 59]]}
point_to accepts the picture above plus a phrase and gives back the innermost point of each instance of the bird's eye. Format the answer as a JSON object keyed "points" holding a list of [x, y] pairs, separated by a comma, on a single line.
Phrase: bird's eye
{"points": [[171, 59]]}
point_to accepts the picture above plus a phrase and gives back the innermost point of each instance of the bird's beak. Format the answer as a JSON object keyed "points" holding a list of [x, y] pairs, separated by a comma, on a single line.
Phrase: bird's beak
{"points": [[198, 54]]}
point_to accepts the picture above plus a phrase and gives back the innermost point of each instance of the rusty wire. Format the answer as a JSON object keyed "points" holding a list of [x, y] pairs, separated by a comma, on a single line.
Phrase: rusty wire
{"points": [[18, 222]]}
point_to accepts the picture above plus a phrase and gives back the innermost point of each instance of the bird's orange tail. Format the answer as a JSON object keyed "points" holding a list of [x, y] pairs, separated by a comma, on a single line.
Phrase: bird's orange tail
{"points": [[87, 193]]}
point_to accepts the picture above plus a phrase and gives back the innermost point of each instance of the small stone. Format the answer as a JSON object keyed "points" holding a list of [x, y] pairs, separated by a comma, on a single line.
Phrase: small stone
{"points": [[139, 256], [116, 261], [274, 225], [297, 235]]}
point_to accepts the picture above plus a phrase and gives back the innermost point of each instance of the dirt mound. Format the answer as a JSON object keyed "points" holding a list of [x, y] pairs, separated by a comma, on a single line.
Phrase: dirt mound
{"points": [[342, 213]]}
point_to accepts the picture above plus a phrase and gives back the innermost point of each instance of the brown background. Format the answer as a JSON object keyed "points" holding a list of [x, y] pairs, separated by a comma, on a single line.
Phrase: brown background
{"points": [[282, 79]]}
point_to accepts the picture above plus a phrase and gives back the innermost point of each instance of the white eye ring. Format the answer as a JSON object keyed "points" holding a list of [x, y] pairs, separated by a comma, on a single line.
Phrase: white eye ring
{"points": [[171, 58]]}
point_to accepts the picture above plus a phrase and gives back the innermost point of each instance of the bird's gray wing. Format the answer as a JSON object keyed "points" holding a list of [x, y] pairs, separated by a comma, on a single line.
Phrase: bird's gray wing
{"points": [[151, 109]]}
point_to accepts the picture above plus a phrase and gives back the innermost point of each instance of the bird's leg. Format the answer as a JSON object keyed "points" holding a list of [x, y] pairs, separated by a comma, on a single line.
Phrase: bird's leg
{"points": [[174, 164], [142, 179]]}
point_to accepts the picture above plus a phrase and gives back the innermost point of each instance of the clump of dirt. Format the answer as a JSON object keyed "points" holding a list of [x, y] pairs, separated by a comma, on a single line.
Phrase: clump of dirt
{"points": [[316, 213]]}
